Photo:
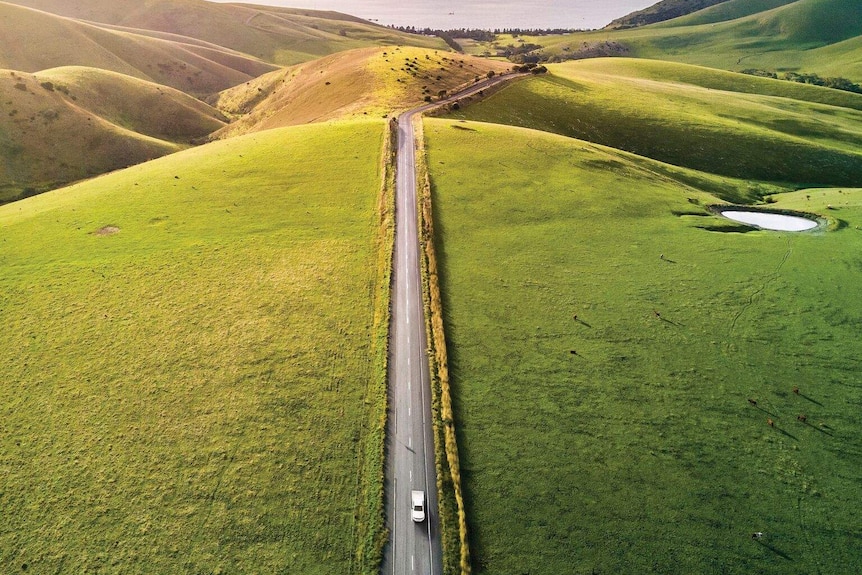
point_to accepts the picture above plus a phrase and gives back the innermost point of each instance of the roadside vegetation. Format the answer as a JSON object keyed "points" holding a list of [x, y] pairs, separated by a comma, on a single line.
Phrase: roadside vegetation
{"points": [[639, 386], [729, 124], [454, 535], [192, 372]]}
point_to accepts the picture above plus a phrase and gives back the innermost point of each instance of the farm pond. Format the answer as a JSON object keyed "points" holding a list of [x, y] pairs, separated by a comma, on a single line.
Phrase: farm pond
{"points": [[767, 221]]}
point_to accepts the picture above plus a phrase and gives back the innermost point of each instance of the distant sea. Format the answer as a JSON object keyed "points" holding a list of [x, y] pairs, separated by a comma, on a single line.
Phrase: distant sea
{"points": [[487, 14]]}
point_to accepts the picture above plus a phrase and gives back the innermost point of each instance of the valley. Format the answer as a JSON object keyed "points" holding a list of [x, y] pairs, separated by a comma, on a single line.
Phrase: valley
{"points": [[198, 250]]}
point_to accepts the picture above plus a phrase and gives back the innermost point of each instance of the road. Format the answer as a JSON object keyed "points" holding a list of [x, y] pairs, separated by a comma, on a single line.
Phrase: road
{"points": [[413, 547]]}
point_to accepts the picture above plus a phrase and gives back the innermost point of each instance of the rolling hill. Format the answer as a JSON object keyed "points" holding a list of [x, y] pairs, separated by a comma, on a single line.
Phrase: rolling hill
{"points": [[33, 40], [365, 82], [65, 124], [281, 36], [712, 121], [819, 36], [664, 10]]}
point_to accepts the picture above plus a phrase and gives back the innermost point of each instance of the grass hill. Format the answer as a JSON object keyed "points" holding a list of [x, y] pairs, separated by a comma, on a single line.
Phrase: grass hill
{"points": [[661, 11], [282, 36], [66, 124], [602, 366], [726, 11], [818, 36], [185, 63], [34, 40], [712, 121], [191, 377], [370, 81]]}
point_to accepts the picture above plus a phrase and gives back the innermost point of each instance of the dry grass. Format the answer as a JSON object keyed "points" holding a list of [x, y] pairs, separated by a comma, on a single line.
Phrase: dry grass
{"points": [[52, 42], [365, 82], [114, 121], [279, 35]]}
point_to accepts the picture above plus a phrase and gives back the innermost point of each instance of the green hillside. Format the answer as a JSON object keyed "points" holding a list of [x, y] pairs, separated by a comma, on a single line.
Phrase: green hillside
{"points": [[728, 124], [67, 124], [603, 361], [282, 36], [818, 36], [190, 372], [662, 11], [725, 11]]}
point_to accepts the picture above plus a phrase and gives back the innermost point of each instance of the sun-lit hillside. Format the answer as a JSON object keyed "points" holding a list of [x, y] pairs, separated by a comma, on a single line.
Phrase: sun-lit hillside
{"points": [[190, 376], [625, 364], [713, 121], [279, 35], [34, 40], [65, 124], [365, 82]]}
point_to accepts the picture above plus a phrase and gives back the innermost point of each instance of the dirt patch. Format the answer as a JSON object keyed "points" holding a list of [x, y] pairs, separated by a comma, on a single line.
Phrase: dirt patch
{"points": [[107, 231]]}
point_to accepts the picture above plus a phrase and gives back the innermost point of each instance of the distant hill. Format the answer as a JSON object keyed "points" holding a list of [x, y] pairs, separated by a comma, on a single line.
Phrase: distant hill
{"points": [[816, 36], [664, 10], [364, 82], [33, 40], [283, 36], [65, 124], [726, 11]]}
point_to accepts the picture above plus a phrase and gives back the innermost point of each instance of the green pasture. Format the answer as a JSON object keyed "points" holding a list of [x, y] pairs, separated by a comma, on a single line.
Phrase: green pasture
{"points": [[712, 121], [188, 356], [605, 334]]}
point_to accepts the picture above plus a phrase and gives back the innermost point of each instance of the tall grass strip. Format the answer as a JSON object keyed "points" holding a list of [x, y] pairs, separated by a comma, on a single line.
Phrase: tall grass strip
{"points": [[456, 550], [370, 523]]}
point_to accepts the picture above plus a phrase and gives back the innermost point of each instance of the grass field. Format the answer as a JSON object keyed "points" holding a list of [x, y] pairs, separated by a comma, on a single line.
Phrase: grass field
{"points": [[605, 338], [709, 120], [188, 361]]}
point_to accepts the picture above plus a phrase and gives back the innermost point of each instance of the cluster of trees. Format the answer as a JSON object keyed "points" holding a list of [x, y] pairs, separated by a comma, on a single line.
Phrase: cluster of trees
{"points": [[537, 31], [473, 34], [532, 68], [521, 53], [813, 79]]}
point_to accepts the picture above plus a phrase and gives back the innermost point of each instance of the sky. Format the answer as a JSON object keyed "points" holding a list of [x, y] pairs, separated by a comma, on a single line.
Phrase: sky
{"points": [[487, 14]]}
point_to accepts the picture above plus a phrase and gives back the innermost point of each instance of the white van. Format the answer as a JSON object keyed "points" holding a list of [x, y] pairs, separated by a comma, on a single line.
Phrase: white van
{"points": [[417, 510]]}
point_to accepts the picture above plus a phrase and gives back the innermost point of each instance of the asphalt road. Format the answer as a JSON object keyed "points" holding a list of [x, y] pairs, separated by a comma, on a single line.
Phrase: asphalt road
{"points": [[413, 547]]}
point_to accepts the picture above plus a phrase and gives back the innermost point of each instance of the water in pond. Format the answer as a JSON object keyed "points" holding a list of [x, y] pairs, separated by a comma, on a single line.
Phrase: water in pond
{"points": [[767, 221]]}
